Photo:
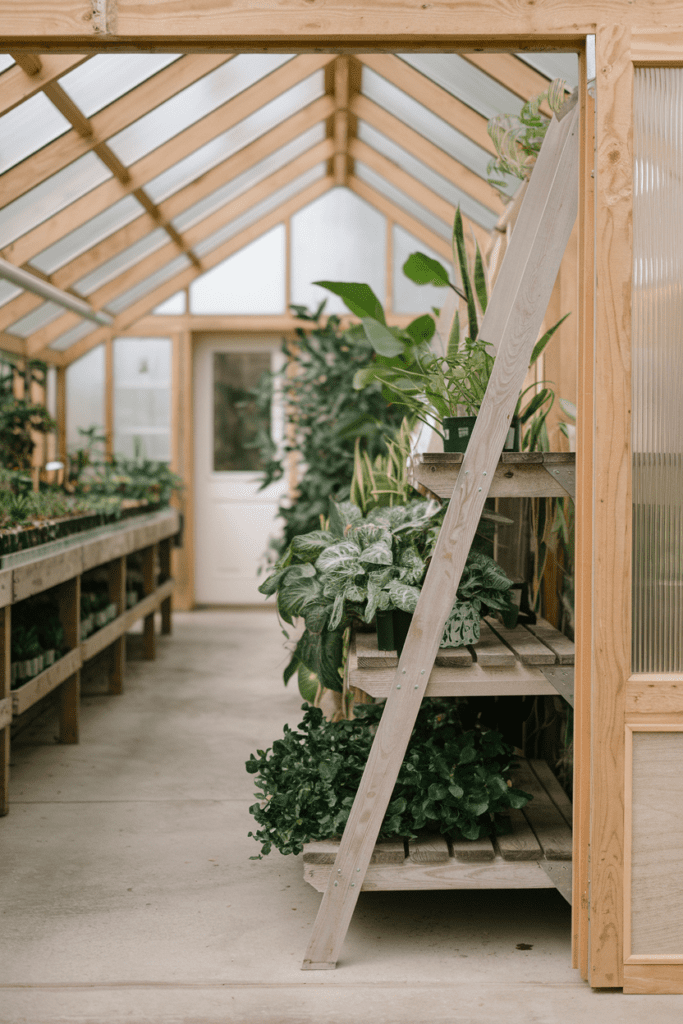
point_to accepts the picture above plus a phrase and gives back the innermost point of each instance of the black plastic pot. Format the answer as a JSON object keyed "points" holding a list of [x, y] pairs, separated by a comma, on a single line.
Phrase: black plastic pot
{"points": [[458, 430], [392, 629]]}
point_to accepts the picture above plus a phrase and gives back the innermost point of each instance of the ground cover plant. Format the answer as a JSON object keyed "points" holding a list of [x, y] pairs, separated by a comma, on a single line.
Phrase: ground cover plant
{"points": [[454, 779]]}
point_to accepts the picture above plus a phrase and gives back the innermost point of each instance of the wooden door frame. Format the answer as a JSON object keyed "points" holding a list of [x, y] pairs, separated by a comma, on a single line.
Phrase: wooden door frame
{"points": [[603, 550]]}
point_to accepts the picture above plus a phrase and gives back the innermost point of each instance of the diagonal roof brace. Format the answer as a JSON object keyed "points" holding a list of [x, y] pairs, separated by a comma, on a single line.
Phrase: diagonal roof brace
{"points": [[30, 283]]}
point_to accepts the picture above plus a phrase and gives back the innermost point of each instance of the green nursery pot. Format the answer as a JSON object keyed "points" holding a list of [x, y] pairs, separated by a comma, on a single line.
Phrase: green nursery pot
{"points": [[457, 431]]}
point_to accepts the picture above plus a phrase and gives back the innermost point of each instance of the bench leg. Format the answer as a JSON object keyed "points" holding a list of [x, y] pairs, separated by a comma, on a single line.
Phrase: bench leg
{"points": [[118, 667], [69, 708], [5, 705]]}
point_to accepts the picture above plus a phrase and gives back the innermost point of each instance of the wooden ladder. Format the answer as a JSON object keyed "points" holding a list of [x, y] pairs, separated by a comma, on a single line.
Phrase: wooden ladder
{"points": [[512, 323]]}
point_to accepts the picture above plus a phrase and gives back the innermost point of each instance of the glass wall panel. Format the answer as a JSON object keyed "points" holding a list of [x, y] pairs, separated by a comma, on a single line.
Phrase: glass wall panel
{"points": [[407, 296], [28, 128], [255, 213], [436, 182], [122, 261], [84, 396], [37, 318], [251, 281], [81, 239], [127, 298], [337, 238], [237, 423], [657, 368], [142, 398], [107, 76], [236, 186], [403, 201], [465, 81], [173, 306], [51, 195], [193, 103], [235, 138]]}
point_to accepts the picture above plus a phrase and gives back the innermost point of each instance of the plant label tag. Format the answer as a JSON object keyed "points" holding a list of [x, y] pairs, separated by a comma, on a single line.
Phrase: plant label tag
{"points": [[463, 431]]}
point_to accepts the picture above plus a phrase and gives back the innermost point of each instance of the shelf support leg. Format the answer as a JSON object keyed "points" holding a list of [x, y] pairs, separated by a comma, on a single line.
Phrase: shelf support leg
{"points": [[165, 574], [70, 690], [149, 560], [5, 704], [117, 595]]}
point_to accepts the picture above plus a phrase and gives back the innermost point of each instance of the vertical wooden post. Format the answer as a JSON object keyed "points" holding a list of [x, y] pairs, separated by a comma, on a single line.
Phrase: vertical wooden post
{"points": [[149, 560], [60, 413], [70, 690], [117, 594], [5, 704], [183, 464], [389, 268], [109, 396], [165, 574]]}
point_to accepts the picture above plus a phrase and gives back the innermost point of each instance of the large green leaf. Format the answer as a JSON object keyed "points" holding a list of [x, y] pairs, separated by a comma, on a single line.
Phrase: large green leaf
{"points": [[421, 330], [322, 653], [343, 515], [460, 253], [359, 298], [308, 683], [378, 553], [480, 278], [402, 596], [338, 556], [542, 342], [297, 591], [382, 340], [309, 546], [423, 269]]}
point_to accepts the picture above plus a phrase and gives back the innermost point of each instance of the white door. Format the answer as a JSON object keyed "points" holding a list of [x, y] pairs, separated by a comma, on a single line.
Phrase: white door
{"points": [[234, 520]]}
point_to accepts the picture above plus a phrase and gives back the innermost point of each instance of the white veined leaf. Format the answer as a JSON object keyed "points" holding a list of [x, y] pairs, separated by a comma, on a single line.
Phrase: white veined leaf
{"points": [[378, 553], [338, 555], [403, 596]]}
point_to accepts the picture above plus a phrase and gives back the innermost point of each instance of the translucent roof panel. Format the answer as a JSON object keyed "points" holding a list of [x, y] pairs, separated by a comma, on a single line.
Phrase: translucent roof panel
{"points": [[132, 295], [251, 281], [193, 103], [235, 138], [78, 241], [555, 65], [122, 261], [50, 196], [108, 76], [400, 199], [446, 189], [424, 121], [465, 81], [338, 237], [69, 338], [174, 306], [28, 128], [260, 210], [409, 297], [37, 318], [249, 178], [8, 291], [5, 62]]}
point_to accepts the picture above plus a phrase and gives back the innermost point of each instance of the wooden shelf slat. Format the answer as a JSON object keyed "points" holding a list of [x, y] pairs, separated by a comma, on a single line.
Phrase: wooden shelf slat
{"points": [[453, 874], [518, 474], [525, 645], [26, 696], [428, 850]]}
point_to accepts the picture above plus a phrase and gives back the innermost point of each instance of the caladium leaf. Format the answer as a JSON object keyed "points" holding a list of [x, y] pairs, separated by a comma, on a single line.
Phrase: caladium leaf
{"points": [[412, 565], [343, 554], [402, 596], [378, 553]]}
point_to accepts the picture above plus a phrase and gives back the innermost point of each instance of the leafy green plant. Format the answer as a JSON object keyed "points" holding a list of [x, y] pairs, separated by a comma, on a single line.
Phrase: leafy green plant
{"points": [[384, 481], [345, 574], [21, 418], [518, 138], [453, 780]]}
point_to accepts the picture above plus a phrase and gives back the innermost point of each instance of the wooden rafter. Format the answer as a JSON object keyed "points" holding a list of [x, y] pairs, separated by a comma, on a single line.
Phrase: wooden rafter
{"points": [[19, 83], [156, 260], [410, 140], [514, 74], [185, 277], [165, 156], [416, 85]]}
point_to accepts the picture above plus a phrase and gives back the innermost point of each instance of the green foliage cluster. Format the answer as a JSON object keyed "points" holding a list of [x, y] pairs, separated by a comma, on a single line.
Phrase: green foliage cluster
{"points": [[518, 139], [453, 779], [361, 565], [21, 418], [325, 418], [36, 507]]}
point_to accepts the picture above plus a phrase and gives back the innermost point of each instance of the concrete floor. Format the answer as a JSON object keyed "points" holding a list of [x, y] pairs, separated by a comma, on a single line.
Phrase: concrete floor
{"points": [[128, 894]]}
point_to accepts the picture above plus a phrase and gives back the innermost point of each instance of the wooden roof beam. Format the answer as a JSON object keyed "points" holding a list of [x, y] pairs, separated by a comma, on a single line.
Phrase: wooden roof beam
{"points": [[430, 95], [186, 142], [512, 73], [155, 261], [18, 84], [410, 140], [126, 319], [340, 162], [239, 163]]}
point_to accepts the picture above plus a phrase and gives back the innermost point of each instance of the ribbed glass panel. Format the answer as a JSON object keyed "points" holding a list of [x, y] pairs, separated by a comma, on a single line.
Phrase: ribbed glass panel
{"points": [[28, 128], [554, 65], [37, 318], [259, 210], [142, 397], [249, 178], [127, 298], [466, 82], [88, 235], [51, 196], [122, 261], [235, 138], [448, 190], [69, 338], [108, 76], [403, 200], [657, 424], [193, 103]]}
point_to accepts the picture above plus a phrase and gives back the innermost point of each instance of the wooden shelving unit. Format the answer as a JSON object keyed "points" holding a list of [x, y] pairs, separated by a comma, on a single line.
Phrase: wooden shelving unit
{"points": [[61, 565]]}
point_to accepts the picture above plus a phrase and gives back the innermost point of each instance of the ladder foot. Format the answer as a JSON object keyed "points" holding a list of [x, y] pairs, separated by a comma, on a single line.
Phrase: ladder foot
{"points": [[322, 965]]}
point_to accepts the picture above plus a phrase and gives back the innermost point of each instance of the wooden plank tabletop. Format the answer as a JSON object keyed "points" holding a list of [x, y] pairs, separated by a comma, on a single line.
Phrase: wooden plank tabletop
{"points": [[518, 474], [549, 826], [525, 645]]}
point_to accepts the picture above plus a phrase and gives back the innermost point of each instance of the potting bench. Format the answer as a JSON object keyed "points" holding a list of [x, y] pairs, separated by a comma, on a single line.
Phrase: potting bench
{"points": [[61, 564]]}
